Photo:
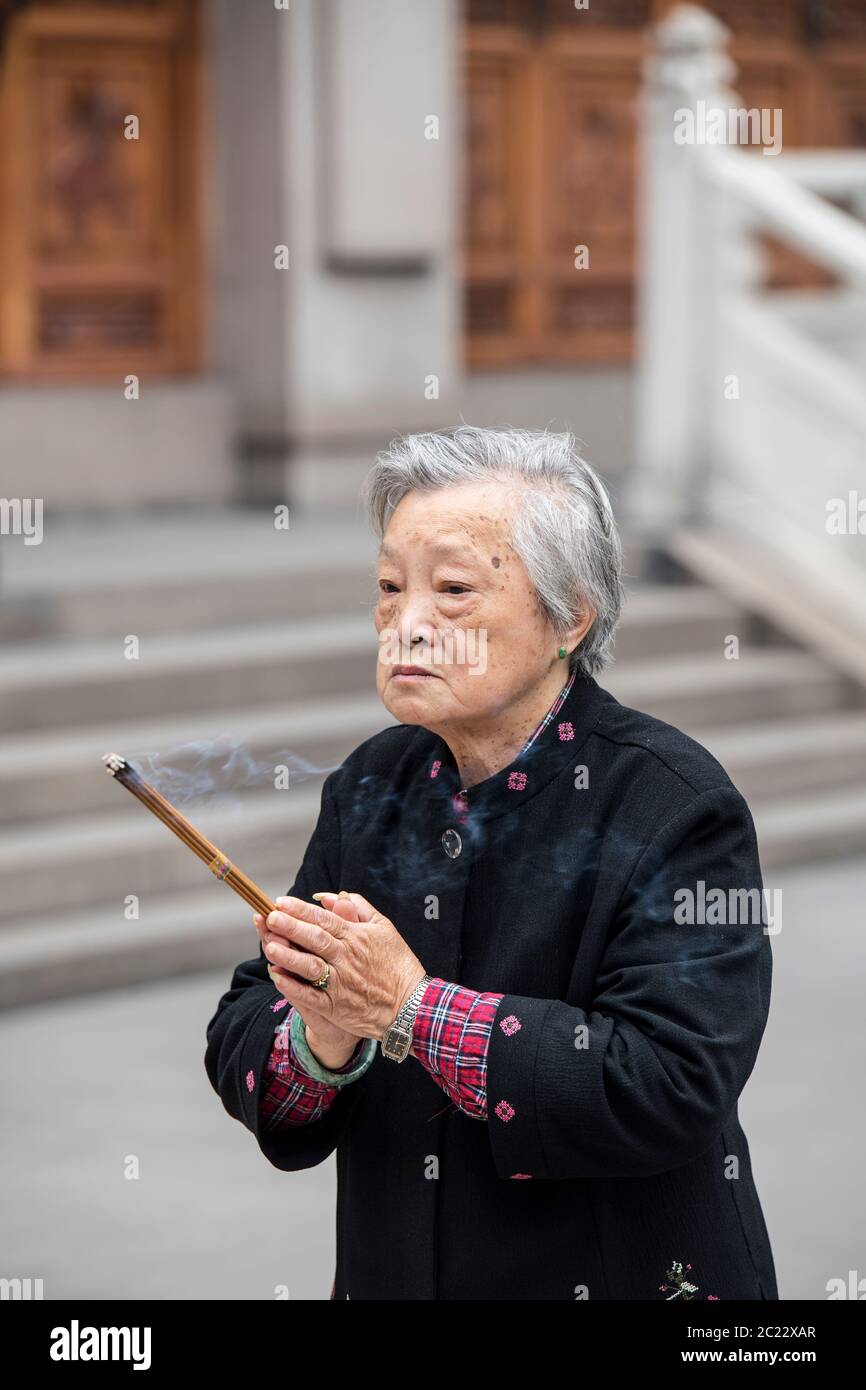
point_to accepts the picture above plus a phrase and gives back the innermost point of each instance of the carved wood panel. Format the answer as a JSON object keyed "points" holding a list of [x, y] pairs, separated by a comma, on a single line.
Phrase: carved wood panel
{"points": [[498, 223], [588, 161], [840, 72], [101, 272], [550, 168], [552, 142]]}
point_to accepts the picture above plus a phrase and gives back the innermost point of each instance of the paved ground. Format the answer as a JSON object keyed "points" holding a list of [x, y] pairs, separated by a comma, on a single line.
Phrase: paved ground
{"points": [[88, 1082]]}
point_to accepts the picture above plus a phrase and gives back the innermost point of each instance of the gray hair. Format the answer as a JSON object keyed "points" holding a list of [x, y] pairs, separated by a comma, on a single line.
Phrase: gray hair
{"points": [[563, 528]]}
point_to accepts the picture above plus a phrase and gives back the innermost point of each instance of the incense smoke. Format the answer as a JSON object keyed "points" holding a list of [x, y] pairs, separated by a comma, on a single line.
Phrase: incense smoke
{"points": [[215, 770]]}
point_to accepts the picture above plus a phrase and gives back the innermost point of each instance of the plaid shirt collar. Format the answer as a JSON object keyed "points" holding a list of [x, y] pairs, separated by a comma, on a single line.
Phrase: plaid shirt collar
{"points": [[551, 747], [554, 710]]}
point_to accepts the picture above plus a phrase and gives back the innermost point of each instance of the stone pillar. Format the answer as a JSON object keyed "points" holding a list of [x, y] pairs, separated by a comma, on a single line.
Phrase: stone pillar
{"points": [[678, 242], [366, 147], [249, 300]]}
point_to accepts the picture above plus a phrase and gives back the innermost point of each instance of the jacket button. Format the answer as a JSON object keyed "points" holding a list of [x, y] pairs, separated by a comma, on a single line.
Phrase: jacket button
{"points": [[452, 843]]}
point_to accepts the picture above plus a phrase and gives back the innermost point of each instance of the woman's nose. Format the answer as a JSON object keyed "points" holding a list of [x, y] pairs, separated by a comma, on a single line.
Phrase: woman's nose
{"points": [[413, 616]]}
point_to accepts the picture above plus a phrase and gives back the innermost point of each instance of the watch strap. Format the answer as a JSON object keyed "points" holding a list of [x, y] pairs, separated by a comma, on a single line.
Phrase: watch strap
{"points": [[406, 1017]]}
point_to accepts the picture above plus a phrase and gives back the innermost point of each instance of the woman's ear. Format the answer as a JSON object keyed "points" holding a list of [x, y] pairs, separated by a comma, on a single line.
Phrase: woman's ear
{"points": [[575, 635]]}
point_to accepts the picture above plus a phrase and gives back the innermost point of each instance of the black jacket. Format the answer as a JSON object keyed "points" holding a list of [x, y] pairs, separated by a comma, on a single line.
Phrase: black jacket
{"points": [[619, 1150]]}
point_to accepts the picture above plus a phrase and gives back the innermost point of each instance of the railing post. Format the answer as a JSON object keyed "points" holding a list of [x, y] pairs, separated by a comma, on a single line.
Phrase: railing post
{"points": [[678, 258]]}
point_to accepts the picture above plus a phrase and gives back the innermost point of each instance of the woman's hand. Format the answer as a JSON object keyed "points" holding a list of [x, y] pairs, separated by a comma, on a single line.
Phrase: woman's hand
{"points": [[373, 971], [329, 1044]]}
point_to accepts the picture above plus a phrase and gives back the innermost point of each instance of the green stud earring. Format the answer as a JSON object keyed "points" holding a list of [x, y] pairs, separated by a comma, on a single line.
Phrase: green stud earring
{"points": [[562, 651]]}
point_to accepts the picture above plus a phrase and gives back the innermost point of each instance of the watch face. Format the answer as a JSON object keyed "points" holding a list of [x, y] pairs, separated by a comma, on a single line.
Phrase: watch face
{"points": [[396, 1043]]}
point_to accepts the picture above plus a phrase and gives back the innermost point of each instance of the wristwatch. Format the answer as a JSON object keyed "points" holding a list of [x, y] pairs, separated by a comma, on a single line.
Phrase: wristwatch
{"points": [[398, 1037]]}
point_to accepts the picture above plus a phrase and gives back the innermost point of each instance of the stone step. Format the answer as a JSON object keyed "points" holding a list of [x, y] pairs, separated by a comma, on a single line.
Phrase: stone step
{"points": [[113, 848], [190, 603], [694, 692], [186, 568], [61, 773], [55, 686], [676, 619], [70, 953], [122, 850], [40, 772], [49, 777], [188, 571], [51, 685], [794, 831], [63, 952], [276, 586], [52, 776], [792, 756], [103, 859]]}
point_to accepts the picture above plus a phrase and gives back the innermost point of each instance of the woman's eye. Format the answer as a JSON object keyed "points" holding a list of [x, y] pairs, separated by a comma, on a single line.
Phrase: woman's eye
{"points": [[387, 587]]}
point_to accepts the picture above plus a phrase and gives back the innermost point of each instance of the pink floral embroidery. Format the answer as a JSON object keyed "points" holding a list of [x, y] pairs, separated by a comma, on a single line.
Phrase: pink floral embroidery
{"points": [[566, 730], [516, 781], [680, 1287], [279, 1004], [510, 1025], [434, 771], [505, 1111], [521, 1175], [251, 1080]]}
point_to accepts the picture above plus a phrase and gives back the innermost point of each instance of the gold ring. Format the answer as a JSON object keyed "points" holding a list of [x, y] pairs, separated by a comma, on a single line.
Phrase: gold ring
{"points": [[322, 982]]}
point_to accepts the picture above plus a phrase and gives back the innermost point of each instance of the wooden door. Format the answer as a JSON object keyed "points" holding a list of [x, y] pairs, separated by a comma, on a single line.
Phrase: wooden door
{"points": [[551, 143], [550, 163], [101, 270]]}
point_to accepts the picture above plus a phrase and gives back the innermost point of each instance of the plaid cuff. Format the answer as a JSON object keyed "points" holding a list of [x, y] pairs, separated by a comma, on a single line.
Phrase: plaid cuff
{"points": [[450, 1038], [289, 1096]]}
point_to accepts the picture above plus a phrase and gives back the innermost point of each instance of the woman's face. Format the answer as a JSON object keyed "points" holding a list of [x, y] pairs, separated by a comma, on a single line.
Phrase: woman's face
{"points": [[450, 579]]}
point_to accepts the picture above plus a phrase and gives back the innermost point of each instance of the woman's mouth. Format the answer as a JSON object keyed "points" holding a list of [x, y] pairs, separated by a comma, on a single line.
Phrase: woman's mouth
{"points": [[413, 673]]}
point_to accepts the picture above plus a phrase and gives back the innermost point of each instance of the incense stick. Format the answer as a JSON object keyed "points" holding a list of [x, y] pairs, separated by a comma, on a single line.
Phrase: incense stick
{"points": [[221, 867]]}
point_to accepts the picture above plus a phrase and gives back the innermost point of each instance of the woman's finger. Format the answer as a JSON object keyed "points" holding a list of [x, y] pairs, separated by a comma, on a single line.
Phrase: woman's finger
{"points": [[298, 962], [365, 910], [313, 914], [340, 904], [311, 1003], [287, 985], [340, 907], [309, 935]]}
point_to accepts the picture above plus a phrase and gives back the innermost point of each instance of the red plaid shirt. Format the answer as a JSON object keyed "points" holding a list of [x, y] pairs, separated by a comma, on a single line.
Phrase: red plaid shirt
{"points": [[450, 1037]]}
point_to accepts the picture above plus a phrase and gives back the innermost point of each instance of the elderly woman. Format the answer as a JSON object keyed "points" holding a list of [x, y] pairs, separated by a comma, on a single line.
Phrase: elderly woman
{"points": [[519, 981]]}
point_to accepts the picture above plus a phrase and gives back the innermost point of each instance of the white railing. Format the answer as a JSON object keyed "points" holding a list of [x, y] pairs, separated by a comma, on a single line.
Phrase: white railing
{"points": [[751, 413]]}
